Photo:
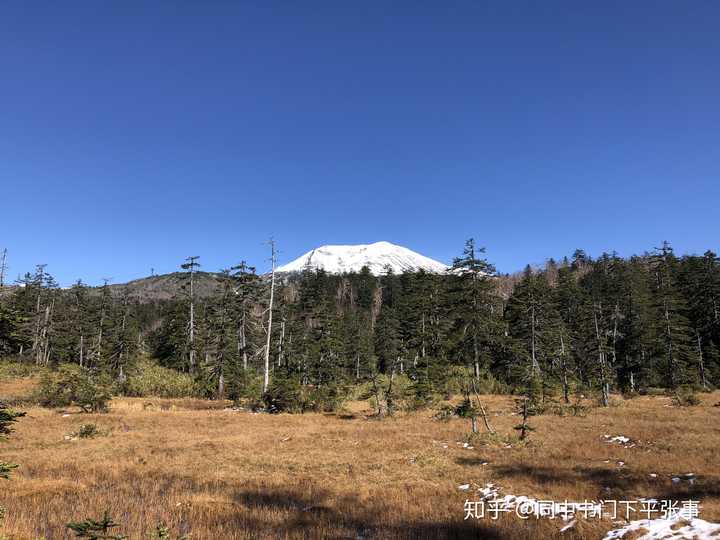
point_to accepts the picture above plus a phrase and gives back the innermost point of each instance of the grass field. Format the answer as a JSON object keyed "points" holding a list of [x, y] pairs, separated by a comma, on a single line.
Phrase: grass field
{"points": [[214, 473]]}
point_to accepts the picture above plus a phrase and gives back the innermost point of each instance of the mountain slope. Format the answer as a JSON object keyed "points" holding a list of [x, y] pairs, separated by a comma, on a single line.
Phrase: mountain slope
{"points": [[377, 256]]}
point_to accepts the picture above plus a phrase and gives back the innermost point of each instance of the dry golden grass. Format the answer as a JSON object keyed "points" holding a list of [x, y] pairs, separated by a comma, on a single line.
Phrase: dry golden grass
{"points": [[19, 388], [220, 474]]}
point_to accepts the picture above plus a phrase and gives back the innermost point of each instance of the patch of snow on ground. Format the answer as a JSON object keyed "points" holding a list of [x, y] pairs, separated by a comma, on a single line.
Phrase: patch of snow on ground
{"points": [[672, 529], [620, 439]]}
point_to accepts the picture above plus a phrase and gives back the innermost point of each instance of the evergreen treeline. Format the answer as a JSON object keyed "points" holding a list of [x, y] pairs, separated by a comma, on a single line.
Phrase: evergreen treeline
{"points": [[580, 324]]}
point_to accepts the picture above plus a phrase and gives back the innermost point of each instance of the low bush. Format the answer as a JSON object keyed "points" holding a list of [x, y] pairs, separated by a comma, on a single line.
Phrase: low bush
{"points": [[74, 385], [327, 398], [89, 431], [685, 396], [148, 379], [285, 394], [245, 386]]}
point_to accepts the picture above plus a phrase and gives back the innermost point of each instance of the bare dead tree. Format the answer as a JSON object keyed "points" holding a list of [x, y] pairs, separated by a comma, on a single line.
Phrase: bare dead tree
{"points": [[481, 407], [273, 262], [3, 267], [190, 266]]}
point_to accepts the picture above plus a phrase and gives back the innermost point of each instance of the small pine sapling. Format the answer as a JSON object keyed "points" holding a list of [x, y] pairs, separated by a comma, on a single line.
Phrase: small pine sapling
{"points": [[96, 530], [162, 532], [525, 428]]}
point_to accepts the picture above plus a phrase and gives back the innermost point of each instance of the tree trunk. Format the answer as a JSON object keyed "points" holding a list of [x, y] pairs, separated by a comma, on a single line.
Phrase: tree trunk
{"points": [[701, 361], [266, 374], [565, 384]]}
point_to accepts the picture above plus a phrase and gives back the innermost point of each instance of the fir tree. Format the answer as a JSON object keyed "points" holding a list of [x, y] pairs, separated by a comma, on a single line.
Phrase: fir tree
{"points": [[476, 326], [7, 418], [672, 325]]}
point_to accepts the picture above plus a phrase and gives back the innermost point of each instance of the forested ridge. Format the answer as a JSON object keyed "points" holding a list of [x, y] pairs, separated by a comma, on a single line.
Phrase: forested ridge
{"points": [[576, 325]]}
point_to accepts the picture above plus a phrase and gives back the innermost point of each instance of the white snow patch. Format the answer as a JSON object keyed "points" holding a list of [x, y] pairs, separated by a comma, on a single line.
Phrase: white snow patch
{"points": [[675, 528]]}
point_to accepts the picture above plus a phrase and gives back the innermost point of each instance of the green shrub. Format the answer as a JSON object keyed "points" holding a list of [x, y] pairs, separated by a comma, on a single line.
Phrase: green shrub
{"points": [[149, 379], [685, 396], [245, 386], [74, 385], [88, 431], [96, 529], [7, 418], [326, 398], [420, 395], [285, 394]]}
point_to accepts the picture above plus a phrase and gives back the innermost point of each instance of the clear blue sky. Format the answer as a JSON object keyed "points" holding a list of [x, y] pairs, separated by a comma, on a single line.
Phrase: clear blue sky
{"points": [[133, 134]]}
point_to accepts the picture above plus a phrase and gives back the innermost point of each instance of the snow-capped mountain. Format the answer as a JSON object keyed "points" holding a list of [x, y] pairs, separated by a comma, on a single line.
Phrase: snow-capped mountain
{"points": [[377, 257]]}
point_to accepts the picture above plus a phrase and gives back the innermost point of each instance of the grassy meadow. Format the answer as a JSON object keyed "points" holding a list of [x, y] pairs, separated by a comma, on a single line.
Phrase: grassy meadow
{"points": [[211, 472]]}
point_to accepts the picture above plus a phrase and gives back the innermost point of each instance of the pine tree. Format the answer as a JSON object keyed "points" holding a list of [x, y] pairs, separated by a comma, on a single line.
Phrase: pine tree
{"points": [[122, 337], [535, 324], [75, 326], [191, 266], [93, 529], [221, 347], [7, 418], [246, 283], [672, 325], [476, 326], [699, 280], [10, 323]]}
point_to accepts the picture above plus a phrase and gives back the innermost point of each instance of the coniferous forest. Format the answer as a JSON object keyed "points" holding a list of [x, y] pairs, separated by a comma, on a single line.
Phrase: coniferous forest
{"points": [[576, 326]]}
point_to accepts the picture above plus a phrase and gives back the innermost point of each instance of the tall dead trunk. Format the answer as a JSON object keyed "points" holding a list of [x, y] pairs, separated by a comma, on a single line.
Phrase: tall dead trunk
{"points": [[563, 366], [273, 260], [3, 267], [701, 361], [191, 265]]}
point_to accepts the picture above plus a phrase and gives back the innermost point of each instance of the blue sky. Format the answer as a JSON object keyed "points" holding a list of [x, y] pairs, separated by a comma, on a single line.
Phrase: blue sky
{"points": [[133, 134]]}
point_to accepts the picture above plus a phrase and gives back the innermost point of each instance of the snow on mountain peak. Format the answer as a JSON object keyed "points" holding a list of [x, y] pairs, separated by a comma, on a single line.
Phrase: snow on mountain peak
{"points": [[377, 257]]}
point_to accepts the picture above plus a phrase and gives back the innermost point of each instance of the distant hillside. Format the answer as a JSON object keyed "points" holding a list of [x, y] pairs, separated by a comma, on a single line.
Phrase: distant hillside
{"points": [[166, 286]]}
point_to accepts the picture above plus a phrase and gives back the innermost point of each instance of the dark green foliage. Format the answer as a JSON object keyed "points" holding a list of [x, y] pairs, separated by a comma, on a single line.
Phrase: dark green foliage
{"points": [[524, 408], [74, 385], [576, 325], [88, 431], [476, 328], [285, 394], [162, 532], [7, 418], [96, 529]]}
